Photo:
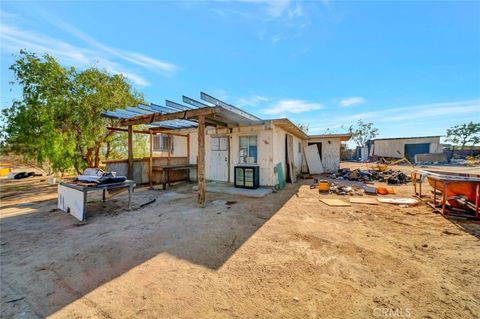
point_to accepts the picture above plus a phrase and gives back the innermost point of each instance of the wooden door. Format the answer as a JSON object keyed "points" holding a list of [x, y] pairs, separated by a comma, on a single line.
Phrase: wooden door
{"points": [[219, 158]]}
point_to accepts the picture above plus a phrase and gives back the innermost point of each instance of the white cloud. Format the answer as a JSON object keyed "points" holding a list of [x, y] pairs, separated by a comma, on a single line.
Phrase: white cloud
{"points": [[253, 100], [277, 19], [14, 39], [351, 101], [292, 106], [276, 38], [453, 111], [132, 57], [274, 8]]}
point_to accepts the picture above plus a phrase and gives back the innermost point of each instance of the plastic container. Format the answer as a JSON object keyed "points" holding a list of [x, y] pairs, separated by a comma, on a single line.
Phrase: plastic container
{"points": [[323, 186]]}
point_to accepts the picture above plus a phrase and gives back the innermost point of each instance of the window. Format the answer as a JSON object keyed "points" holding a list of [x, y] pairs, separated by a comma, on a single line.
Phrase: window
{"points": [[299, 147], [219, 143], [248, 149], [162, 143]]}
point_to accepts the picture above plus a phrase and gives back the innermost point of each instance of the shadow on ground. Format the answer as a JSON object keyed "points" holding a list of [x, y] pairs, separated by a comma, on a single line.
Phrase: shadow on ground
{"points": [[49, 247]]}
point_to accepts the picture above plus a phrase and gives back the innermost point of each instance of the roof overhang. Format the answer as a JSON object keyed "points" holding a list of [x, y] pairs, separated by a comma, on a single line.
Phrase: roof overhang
{"points": [[405, 138], [176, 116], [290, 127], [343, 137]]}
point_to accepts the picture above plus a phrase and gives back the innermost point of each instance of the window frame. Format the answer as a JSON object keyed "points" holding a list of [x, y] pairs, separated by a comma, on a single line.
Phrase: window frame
{"points": [[243, 159], [162, 143]]}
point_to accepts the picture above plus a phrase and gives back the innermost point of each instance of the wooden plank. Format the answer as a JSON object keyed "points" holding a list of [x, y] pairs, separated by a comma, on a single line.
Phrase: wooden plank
{"points": [[201, 161], [120, 129], [313, 159], [364, 200], [162, 130], [130, 153], [157, 117], [334, 202]]}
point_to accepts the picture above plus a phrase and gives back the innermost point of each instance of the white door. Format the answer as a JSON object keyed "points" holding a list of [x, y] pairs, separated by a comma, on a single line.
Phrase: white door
{"points": [[219, 158], [313, 159]]}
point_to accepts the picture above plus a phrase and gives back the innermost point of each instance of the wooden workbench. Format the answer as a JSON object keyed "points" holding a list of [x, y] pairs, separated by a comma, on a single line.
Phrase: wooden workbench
{"points": [[166, 168]]}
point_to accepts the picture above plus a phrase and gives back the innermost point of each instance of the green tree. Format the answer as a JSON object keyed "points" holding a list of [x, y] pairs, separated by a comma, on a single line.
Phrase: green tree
{"points": [[464, 134], [363, 132], [58, 120], [304, 127]]}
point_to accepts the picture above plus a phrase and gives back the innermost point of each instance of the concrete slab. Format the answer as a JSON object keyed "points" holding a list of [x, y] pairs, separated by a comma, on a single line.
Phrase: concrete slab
{"points": [[229, 189]]}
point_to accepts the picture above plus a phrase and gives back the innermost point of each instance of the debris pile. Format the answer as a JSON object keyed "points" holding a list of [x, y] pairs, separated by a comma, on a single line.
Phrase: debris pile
{"points": [[389, 176], [345, 190], [324, 186]]}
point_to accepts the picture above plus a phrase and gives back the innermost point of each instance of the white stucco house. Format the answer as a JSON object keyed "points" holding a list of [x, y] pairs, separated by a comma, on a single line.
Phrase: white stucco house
{"points": [[272, 148], [263, 144]]}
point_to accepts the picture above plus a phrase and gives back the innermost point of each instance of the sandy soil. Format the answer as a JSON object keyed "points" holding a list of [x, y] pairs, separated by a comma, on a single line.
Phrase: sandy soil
{"points": [[282, 256]]}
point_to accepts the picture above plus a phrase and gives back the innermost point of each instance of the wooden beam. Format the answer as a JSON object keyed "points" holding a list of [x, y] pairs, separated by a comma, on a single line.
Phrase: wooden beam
{"points": [[119, 129], [201, 161], [150, 161], [166, 132], [130, 153], [157, 117]]}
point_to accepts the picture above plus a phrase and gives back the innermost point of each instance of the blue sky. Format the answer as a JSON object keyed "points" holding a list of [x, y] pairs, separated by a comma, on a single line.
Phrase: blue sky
{"points": [[411, 68]]}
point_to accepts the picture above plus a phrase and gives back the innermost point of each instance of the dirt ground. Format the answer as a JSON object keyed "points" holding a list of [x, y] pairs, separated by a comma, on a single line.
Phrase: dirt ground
{"points": [[282, 256]]}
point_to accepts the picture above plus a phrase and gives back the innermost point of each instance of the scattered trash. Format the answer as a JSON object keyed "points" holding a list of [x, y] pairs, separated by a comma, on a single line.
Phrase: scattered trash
{"points": [[398, 200], [352, 190], [385, 190], [370, 190], [149, 202], [323, 186], [389, 176], [14, 300], [51, 181], [23, 175], [98, 176]]}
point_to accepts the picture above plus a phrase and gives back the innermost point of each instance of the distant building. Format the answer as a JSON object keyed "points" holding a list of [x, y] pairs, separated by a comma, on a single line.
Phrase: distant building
{"points": [[329, 146], [401, 146]]}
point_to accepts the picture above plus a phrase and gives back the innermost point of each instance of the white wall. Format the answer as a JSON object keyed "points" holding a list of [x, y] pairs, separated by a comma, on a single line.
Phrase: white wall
{"points": [[330, 153], [388, 148], [279, 136], [264, 135], [270, 150]]}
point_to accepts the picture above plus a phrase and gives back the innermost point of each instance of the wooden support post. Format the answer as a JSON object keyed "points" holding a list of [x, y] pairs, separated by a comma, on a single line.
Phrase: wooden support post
{"points": [[130, 153], [201, 161], [169, 155], [188, 148], [188, 155], [150, 161]]}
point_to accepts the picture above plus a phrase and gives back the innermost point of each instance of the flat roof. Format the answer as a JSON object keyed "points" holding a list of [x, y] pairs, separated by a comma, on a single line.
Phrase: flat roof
{"points": [[343, 137], [290, 127], [405, 138]]}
